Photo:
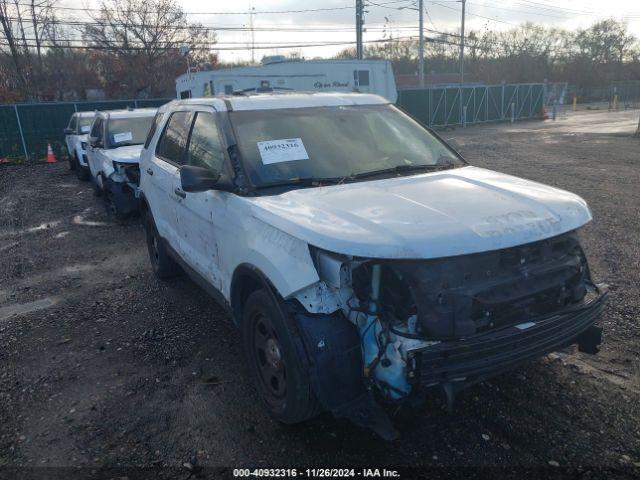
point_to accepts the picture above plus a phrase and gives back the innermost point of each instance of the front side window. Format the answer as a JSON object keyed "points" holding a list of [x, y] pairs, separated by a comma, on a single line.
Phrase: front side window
{"points": [[174, 138], [73, 123], [334, 142], [96, 130], [205, 148], [128, 131]]}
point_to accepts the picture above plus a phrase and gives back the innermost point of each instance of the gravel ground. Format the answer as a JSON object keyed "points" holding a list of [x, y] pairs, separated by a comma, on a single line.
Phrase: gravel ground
{"points": [[103, 365]]}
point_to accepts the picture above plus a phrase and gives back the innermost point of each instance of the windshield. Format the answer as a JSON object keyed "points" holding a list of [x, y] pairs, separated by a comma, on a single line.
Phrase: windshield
{"points": [[84, 124], [128, 131], [282, 145]]}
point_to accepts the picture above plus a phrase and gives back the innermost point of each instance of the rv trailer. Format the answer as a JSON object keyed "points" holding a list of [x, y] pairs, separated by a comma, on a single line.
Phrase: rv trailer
{"points": [[281, 74]]}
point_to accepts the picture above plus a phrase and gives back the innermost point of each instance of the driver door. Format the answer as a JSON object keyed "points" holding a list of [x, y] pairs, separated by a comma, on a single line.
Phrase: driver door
{"points": [[202, 217]]}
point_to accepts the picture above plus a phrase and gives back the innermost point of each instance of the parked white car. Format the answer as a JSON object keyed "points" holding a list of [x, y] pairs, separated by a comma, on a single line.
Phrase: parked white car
{"points": [[115, 143], [357, 251], [75, 136]]}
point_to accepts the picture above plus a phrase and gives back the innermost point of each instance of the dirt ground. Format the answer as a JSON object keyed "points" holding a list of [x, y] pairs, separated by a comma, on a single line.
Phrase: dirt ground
{"points": [[101, 364]]}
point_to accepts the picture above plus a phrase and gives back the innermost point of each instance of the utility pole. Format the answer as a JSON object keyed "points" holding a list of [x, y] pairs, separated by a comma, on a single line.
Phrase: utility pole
{"points": [[421, 44], [359, 22], [253, 35], [462, 43]]}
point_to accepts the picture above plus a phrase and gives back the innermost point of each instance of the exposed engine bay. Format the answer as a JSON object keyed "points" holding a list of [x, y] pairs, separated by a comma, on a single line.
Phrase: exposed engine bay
{"points": [[457, 320]]}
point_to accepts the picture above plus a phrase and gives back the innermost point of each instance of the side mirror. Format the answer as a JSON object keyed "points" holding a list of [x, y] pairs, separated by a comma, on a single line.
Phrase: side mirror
{"points": [[93, 141], [197, 179], [69, 131]]}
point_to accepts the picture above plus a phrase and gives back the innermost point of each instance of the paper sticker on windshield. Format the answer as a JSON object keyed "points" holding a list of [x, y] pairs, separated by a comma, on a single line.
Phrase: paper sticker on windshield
{"points": [[122, 137], [287, 150], [85, 128]]}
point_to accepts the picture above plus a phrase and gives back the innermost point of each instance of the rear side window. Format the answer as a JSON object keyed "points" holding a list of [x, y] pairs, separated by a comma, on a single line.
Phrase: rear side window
{"points": [[174, 138], [205, 148], [152, 131]]}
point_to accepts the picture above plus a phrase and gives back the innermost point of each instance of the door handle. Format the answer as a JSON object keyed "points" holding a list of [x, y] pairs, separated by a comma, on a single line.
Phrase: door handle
{"points": [[149, 171], [180, 193]]}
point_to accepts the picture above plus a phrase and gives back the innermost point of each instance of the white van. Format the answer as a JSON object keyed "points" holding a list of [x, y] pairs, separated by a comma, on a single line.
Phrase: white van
{"points": [[281, 74]]}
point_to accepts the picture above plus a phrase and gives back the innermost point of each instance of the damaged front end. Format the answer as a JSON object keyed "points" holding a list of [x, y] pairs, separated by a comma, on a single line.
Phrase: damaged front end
{"points": [[447, 322], [122, 186]]}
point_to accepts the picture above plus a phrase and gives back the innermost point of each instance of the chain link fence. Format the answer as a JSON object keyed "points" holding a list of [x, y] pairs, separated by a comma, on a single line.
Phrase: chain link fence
{"points": [[462, 105], [26, 129]]}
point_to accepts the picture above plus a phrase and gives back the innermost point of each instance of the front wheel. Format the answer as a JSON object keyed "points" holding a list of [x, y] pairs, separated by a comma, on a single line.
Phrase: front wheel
{"points": [[95, 182], [282, 380], [82, 172], [161, 262]]}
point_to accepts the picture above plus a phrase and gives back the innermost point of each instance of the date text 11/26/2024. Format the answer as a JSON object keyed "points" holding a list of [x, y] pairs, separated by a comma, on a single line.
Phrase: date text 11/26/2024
{"points": [[316, 473]]}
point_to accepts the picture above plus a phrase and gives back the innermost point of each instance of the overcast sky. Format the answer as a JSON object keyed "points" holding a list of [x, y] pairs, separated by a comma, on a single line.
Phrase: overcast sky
{"points": [[388, 17]]}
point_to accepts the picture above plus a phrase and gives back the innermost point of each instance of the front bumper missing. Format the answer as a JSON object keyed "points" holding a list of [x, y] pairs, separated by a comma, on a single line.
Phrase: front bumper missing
{"points": [[464, 362]]}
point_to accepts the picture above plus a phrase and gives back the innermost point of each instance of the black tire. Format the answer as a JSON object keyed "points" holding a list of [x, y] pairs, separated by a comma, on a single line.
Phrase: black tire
{"points": [[163, 265], [81, 172], [279, 373], [97, 191], [111, 207], [72, 162]]}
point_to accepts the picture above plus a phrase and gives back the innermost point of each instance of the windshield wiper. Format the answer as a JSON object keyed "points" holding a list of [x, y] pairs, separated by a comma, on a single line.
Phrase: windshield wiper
{"points": [[442, 164], [304, 182]]}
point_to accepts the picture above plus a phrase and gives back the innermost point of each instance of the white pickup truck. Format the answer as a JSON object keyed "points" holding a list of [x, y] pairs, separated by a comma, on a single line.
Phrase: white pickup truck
{"points": [[75, 136], [358, 252], [115, 143]]}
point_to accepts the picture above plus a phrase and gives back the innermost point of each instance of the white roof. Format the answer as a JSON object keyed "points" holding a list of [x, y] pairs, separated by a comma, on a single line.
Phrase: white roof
{"points": [[133, 113], [272, 101], [85, 114]]}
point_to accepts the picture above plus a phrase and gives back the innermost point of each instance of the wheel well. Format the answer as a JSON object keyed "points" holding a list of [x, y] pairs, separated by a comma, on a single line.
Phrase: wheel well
{"points": [[144, 206], [246, 280]]}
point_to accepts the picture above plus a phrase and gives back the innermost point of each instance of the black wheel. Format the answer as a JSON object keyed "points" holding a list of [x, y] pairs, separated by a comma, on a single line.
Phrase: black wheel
{"points": [[72, 162], [111, 206], [97, 190], [81, 172], [163, 265], [282, 381]]}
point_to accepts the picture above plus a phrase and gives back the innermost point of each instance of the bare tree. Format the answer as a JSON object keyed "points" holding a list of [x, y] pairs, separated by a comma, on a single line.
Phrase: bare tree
{"points": [[141, 41], [16, 19]]}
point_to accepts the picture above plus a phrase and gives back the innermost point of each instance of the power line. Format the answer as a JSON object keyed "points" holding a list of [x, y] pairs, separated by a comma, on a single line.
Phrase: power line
{"points": [[244, 12], [198, 45]]}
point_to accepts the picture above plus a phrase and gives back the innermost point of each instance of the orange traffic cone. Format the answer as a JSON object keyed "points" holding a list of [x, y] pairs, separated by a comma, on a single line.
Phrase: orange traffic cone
{"points": [[51, 158]]}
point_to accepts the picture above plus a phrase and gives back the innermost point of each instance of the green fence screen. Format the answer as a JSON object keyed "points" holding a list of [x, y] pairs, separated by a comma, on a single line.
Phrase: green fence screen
{"points": [[43, 123], [453, 105]]}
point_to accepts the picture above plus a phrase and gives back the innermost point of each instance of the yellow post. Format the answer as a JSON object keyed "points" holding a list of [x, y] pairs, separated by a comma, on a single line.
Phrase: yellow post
{"points": [[575, 103], [615, 101]]}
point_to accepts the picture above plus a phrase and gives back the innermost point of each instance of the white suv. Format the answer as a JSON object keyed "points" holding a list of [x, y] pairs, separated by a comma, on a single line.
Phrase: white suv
{"points": [[75, 136], [358, 252], [115, 143]]}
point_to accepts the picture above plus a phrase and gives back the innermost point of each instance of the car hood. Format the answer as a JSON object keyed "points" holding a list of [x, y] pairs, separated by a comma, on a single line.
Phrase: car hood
{"points": [[453, 212], [126, 154]]}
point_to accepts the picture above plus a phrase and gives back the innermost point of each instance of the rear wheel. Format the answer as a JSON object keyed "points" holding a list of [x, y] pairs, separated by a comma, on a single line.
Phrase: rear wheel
{"points": [[278, 371], [163, 265]]}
